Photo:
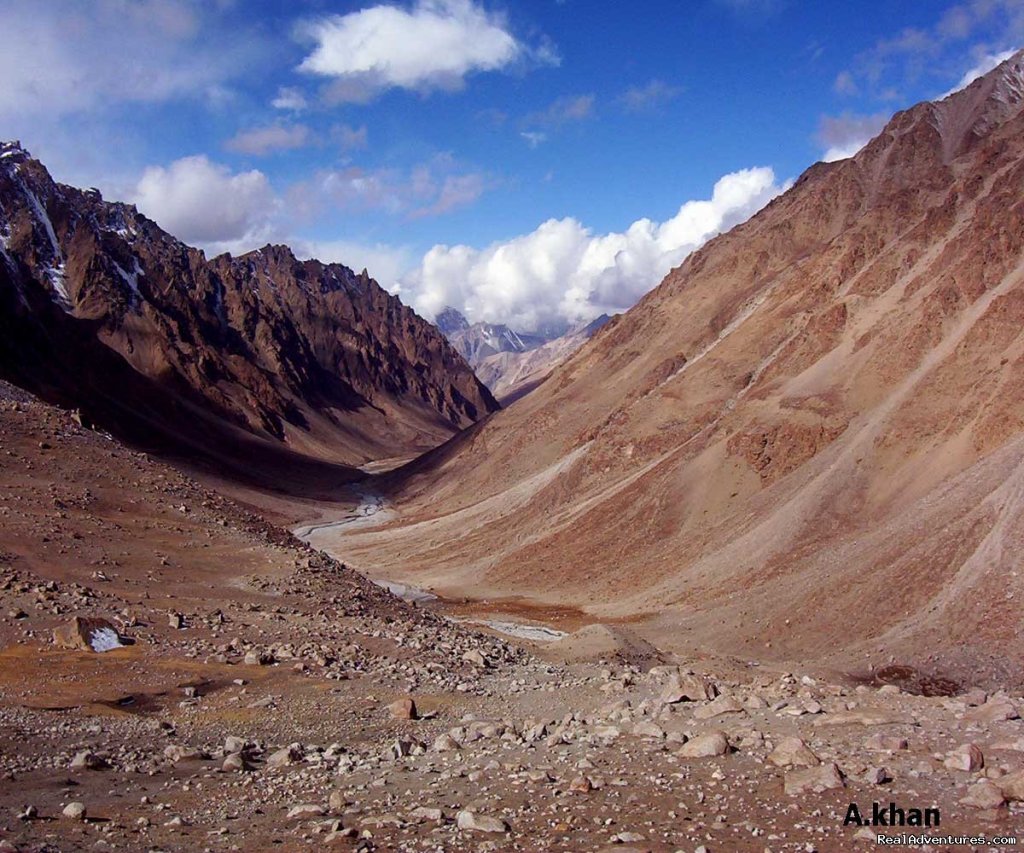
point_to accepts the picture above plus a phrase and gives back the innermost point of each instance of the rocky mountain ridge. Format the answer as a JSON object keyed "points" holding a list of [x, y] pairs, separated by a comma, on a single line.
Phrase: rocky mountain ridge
{"points": [[103, 311], [508, 362]]}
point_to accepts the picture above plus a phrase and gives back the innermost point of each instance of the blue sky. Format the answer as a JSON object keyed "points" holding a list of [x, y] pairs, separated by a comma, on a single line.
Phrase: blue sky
{"points": [[530, 161]]}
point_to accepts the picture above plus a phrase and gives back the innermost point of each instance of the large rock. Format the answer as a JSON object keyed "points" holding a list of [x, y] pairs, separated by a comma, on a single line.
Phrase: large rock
{"points": [[721, 705], [793, 752], [285, 757], [481, 823], [1012, 786], [88, 634], [995, 710], [602, 642], [688, 688], [985, 794], [813, 780], [707, 745], [967, 757], [74, 811], [404, 709]]}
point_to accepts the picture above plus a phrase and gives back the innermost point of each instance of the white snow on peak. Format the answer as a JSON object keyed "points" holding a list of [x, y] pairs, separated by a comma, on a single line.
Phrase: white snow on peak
{"points": [[131, 278], [44, 219], [58, 281]]}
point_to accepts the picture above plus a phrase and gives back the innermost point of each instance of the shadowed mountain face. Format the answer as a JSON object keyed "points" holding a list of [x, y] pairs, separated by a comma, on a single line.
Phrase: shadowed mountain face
{"points": [[102, 310], [809, 438]]}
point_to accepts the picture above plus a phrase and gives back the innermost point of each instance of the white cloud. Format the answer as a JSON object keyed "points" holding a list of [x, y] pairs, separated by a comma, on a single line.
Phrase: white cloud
{"points": [[205, 204], [434, 44], [534, 138], [66, 57], [985, 64], [562, 273], [638, 99], [275, 137], [289, 98], [844, 135], [562, 111], [430, 188], [385, 263], [981, 29], [350, 138]]}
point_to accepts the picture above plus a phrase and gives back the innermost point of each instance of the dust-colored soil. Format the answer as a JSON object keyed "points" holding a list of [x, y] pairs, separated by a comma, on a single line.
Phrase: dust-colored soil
{"points": [[574, 746]]}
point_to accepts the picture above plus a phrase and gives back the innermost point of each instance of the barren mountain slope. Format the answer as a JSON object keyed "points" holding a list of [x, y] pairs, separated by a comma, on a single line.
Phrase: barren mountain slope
{"points": [[102, 310], [511, 375], [809, 437]]}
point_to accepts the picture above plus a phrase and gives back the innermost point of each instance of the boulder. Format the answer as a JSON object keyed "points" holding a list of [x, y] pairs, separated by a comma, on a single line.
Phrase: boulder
{"points": [[707, 745], [87, 634], [403, 709], [793, 752], [814, 779], [468, 820]]}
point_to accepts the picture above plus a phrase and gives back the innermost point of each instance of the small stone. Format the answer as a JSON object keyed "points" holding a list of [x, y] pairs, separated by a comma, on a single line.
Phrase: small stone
{"points": [[74, 811], [474, 657], [234, 763], [581, 785], [446, 743], [306, 811], [337, 802]]}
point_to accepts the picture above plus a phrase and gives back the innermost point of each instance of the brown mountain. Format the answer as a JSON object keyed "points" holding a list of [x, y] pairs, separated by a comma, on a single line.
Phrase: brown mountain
{"points": [[102, 310], [807, 441], [513, 374]]}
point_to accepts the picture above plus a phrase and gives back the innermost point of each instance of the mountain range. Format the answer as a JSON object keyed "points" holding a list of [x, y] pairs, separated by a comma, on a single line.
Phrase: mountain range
{"points": [[103, 311], [807, 441], [508, 362]]}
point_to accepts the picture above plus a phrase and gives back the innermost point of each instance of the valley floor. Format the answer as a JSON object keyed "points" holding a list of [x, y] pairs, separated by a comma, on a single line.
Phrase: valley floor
{"points": [[253, 709]]}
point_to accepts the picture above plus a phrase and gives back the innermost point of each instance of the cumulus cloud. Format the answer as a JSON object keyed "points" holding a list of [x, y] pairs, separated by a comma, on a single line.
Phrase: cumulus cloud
{"points": [[432, 45], [563, 273], [205, 204], [275, 137], [384, 262], [843, 136]]}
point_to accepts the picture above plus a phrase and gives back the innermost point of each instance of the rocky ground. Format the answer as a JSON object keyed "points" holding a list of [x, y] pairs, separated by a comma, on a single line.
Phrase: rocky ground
{"points": [[270, 698]]}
